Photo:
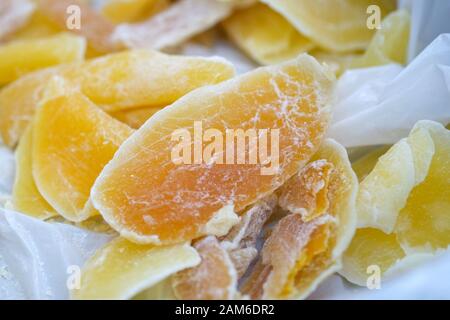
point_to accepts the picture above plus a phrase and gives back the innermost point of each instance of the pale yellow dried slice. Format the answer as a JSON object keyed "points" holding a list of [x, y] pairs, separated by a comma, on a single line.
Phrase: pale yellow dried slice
{"points": [[161, 291], [120, 11], [364, 165], [334, 25], [14, 14], [265, 35], [122, 269]]}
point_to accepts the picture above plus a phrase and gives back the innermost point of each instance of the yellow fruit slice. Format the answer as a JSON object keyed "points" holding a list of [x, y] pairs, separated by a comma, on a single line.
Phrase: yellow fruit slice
{"points": [[72, 141], [26, 197], [389, 44], [119, 81], [364, 165], [119, 11], [186, 198], [38, 26], [24, 56], [334, 25], [265, 35], [14, 14], [122, 269], [161, 291], [135, 118]]}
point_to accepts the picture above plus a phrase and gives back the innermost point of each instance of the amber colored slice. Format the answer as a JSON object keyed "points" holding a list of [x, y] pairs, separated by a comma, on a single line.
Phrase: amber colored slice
{"points": [[265, 35], [72, 141], [214, 278], [26, 197], [135, 118], [20, 57], [173, 200], [93, 25], [122, 269], [120, 11], [14, 14], [114, 82]]}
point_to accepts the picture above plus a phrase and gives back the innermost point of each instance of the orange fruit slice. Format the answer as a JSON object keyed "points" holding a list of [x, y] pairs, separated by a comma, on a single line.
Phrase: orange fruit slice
{"points": [[173, 200], [14, 14], [72, 141], [214, 278], [265, 35], [120, 11], [122, 269], [20, 57], [306, 246], [26, 197], [333, 25], [135, 118], [119, 81]]}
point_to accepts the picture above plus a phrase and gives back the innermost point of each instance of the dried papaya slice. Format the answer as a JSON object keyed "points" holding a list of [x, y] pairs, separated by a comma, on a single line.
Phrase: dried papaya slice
{"points": [[26, 197], [135, 118], [213, 279], [335, 26], [265, 35], [14, 14], [299, 252], [122, 269], [72, 141], [187, 199], [118, 81], [24, 56], [120, 11]]}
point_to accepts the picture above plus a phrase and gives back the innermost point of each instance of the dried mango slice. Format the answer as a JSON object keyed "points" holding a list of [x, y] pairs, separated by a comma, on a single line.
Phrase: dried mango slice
{"points": [[122, 269], [185, 199], [301, 252], [135, 118], [14, 14], [215, 278], [389, 44], [72, 141], [93, 26], [178, 23], [265, 35], [334, 25], [119, 81], [24, 56], [119, 11], [385, 190], [26, 197]]}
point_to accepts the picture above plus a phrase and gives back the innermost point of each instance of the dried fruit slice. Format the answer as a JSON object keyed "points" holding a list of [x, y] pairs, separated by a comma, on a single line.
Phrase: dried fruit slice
{"points": [[26, 197], [72, 141], [364, 165], [186, 197], [265, 35], [213, 279], [38, 26], [122, 269], [299, 254], [93, 26], [119, 81], [21, 57], [389, 44], [135, 118], [14, 14], [334, 25], [119, 11]]}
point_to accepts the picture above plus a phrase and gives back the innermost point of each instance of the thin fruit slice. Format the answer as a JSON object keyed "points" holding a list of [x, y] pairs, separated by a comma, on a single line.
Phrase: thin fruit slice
{"points": [[301, 252], [24, 56], [215, 278], [119, 81], [364, 165], [72, 141], [92, 25], [135, 118], [26, 197], [389, 44], [122, 269], [334, 25], [174, 199], [14, 14], [265, 35], [119, 11], [178, 23], [385, 190]]}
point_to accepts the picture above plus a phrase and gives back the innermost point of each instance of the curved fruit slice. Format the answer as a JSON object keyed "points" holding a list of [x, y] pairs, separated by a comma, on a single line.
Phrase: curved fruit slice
{"points": [[26, 197], [385, 190], [135, 118], [306, 246], [13, 15], [118, 81], [215, 278], [122, 269], [389, 44], [174, 199], [334, 25], [364, 165], [265, 35], [24, 56], [119, 11], [72, 141]]}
